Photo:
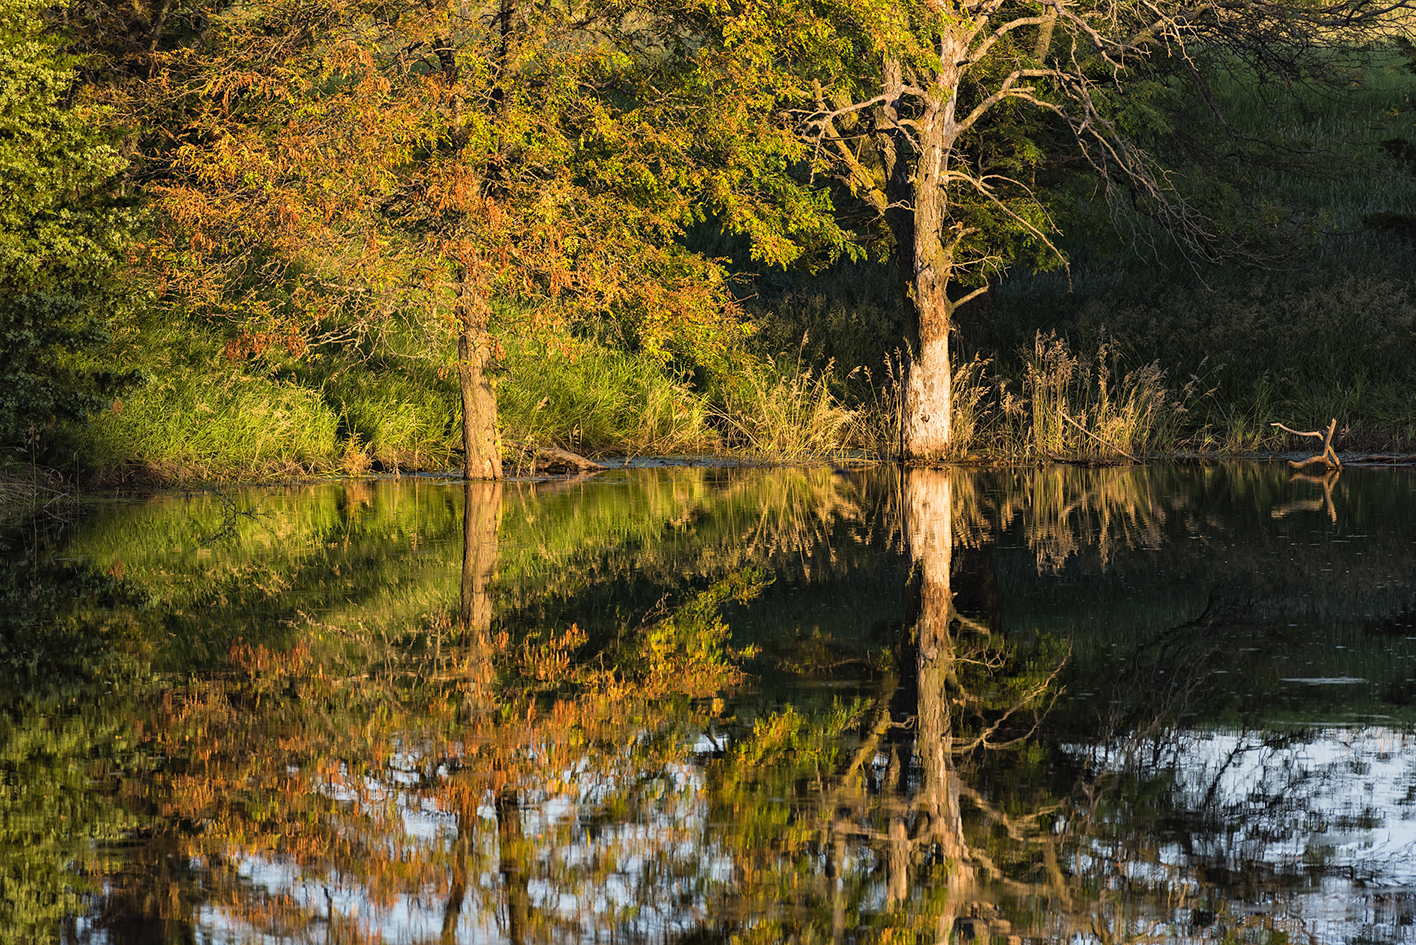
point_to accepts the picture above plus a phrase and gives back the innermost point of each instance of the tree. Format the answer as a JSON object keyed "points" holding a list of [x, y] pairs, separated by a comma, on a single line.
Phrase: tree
{"points": [[348, 163], [63, 232], [935, 116]]}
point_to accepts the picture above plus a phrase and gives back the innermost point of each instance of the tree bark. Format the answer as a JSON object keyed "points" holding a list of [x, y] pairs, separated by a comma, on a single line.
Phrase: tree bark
{"points": [[481, 443], [927, 429], [916, 165]]}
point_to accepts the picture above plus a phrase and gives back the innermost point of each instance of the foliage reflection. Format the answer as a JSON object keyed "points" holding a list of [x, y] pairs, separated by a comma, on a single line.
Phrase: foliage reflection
{"points": [[717, 705]]}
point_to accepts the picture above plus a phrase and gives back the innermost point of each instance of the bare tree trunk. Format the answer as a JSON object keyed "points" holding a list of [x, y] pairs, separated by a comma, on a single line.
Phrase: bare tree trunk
{"points": [[481, 443], [928, 398], [917, 213], [927, 395]]}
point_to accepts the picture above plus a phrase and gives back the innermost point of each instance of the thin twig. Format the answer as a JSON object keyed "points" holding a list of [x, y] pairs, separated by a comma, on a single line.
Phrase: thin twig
{"points": [[1097, 438]]}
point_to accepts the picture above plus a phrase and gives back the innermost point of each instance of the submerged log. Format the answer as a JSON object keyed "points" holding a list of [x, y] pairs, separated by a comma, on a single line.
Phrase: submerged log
{"points": [[555, 457]]}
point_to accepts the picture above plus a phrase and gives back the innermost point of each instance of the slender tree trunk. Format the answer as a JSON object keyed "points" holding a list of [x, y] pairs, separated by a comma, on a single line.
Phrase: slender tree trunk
{"points": [[917, 166], [481, 442]]}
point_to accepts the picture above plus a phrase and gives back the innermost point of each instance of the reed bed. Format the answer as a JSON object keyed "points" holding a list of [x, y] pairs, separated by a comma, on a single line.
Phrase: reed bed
{"points": [[784, 413]]}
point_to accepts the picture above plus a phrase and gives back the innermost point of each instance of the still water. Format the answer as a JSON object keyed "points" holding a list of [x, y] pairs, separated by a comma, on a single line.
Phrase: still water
{"points": [[718, 705]]}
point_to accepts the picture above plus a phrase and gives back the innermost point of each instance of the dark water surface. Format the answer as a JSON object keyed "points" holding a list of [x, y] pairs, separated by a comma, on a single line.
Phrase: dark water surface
{"points": [[718, 705]]}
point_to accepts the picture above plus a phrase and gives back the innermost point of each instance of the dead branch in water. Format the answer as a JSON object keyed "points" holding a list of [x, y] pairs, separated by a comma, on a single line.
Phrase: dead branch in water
{"points": [[1327, 457], [555, 457]]}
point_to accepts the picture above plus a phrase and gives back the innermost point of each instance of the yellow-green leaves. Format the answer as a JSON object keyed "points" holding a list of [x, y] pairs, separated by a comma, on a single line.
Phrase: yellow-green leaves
{"points": [[63, 232]]}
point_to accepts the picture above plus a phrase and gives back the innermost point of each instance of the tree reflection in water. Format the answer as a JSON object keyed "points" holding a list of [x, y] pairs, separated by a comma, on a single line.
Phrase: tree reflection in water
{"points": [[1105, 705]]}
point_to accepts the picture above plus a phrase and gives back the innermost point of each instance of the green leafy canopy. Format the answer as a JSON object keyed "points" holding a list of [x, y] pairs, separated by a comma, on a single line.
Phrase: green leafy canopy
{"points": [[63, 232]]}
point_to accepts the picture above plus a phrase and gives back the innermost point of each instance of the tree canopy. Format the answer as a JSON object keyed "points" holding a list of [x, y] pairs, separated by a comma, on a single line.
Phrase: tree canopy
{"points": [[64, 226], [346, 163], [937, 119]]}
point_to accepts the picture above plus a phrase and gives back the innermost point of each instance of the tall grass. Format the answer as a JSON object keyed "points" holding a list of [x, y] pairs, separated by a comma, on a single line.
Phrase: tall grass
{"points": [[194, 424], [783, 412], [400, 419], [1081, 408], [974, 423], [22, 491], [1068, 406], [374, 406], [878, 429], [1329, 331], [596, 400]]}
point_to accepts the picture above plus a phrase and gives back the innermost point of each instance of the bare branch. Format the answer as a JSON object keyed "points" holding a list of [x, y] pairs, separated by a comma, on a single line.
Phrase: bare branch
{"points": [[1008, 90], [978, 53]]}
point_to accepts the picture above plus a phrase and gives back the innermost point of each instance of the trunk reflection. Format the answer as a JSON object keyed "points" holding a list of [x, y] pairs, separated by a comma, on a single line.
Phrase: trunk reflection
{"points": [[720, 705]]}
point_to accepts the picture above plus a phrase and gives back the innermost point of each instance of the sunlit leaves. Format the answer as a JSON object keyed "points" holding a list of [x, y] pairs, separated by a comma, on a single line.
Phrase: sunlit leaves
{"points": [[349, 162], [63, 232]]}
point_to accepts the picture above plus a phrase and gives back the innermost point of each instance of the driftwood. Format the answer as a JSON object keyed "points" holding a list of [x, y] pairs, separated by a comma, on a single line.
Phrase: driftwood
{"points": [[1384, 459], [557, 457], [1327, 457]]}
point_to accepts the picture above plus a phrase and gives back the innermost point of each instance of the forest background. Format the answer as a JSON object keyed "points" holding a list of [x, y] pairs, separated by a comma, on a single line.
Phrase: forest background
{"points": [[257, 239]]}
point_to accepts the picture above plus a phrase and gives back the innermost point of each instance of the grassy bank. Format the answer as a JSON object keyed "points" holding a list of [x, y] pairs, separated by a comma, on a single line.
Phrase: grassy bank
{"points": [[1328, 330], [1136, 334], [353, 408], [1135, 350]]}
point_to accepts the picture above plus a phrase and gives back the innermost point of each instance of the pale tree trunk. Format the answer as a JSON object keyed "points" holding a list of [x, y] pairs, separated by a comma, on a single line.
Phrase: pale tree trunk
{"points": [[917, 213], [481, 443], [928, 407]]}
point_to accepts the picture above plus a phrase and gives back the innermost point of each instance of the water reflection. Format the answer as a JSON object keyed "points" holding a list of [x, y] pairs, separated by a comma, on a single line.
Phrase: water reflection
{"points": [[718, 705]]}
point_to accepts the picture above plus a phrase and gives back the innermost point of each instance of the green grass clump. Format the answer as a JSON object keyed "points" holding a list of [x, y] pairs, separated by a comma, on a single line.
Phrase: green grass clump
{"points": [[400, 419], [379, 404], [213, 424], [203, 416], [595, 400]]}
